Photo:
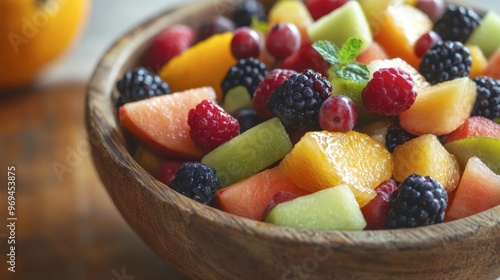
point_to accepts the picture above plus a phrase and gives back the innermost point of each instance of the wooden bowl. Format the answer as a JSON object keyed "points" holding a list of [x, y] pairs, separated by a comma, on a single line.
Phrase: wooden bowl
{"points": [[205, 243]]}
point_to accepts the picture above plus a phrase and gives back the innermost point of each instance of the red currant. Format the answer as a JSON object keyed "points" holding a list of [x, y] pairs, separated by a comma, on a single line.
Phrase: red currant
{"points": [[246, 43], [338, 114], [283, 39]]}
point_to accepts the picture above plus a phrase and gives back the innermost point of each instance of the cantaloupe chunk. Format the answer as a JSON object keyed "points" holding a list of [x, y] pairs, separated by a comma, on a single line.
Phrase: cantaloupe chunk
{"points": [[402, 26], [161, 122]]}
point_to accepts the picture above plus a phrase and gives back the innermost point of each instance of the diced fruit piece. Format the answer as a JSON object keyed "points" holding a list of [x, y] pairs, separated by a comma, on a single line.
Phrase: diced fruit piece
{"points": [[487, 149], [294, 12], [377, 129], [283, 39], [250, 152], [195, 67], [479, 190], [482, 36], [324, 159], [236, 99], [375, 12], [373, 52], [343, 23], [161, 122], [493, 67], [306, 57], [403, 24], [375, 212], [169, 43], [319, 8], [441, 108], [472, 127], [148, 160], [250, 197], [330, 209], [479, 61], [426, 156], [168, 170], [419, 80]]}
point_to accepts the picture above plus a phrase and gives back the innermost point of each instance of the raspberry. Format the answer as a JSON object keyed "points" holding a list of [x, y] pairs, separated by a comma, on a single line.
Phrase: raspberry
{"points": [[396, 136], [211, 125], [457, 23], [298, 99], [389, 92], [446, 60], [247, 118], [140, 84], [247, 72], [418, 201], [261, 95], [196, 181], [170, 42], [488, 98]]}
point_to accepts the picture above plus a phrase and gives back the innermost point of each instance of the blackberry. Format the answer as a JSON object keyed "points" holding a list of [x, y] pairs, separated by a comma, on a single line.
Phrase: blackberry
{"points": [[488, 98], [396, 136], [244, 12], [418, 201], [447, 60], [457, 23], [247, 72], [197, 181], [298, 99], [140, 84], [247, 118]]}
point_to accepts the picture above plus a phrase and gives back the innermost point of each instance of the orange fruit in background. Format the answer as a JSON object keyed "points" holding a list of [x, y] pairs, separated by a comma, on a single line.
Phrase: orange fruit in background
{"points": [[33, 33]]}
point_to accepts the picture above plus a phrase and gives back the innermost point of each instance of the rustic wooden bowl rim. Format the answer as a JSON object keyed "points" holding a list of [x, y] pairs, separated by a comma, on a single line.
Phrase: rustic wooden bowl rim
{"points": [[100, 114]]}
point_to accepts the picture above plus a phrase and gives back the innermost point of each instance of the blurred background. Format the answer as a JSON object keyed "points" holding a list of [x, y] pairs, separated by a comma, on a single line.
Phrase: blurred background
{"points": [[67, 226]]}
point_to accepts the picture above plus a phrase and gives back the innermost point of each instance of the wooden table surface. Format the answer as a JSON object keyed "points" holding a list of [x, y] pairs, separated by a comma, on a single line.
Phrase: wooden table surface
{"points": [[67, 226]]}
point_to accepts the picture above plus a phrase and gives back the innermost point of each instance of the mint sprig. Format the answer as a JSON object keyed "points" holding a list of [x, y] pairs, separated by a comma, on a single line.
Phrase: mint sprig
{"points": [[343, 60]]}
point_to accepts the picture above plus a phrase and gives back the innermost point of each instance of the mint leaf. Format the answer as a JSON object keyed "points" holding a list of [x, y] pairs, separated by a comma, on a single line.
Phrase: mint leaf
{"points": [[356, 72], [343, 61], [350, 50], [328, 50]]}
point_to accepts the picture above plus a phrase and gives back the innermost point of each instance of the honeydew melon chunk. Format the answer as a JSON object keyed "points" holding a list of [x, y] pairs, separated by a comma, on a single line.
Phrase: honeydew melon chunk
{"points": [[341, 24], [487, 149], [486, 34], [236, 99], [250, 152], [333, 208]]}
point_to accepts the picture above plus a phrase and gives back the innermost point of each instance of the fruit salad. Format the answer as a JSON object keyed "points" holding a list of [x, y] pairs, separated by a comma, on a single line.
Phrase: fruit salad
{"points": [[324, 114]]}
